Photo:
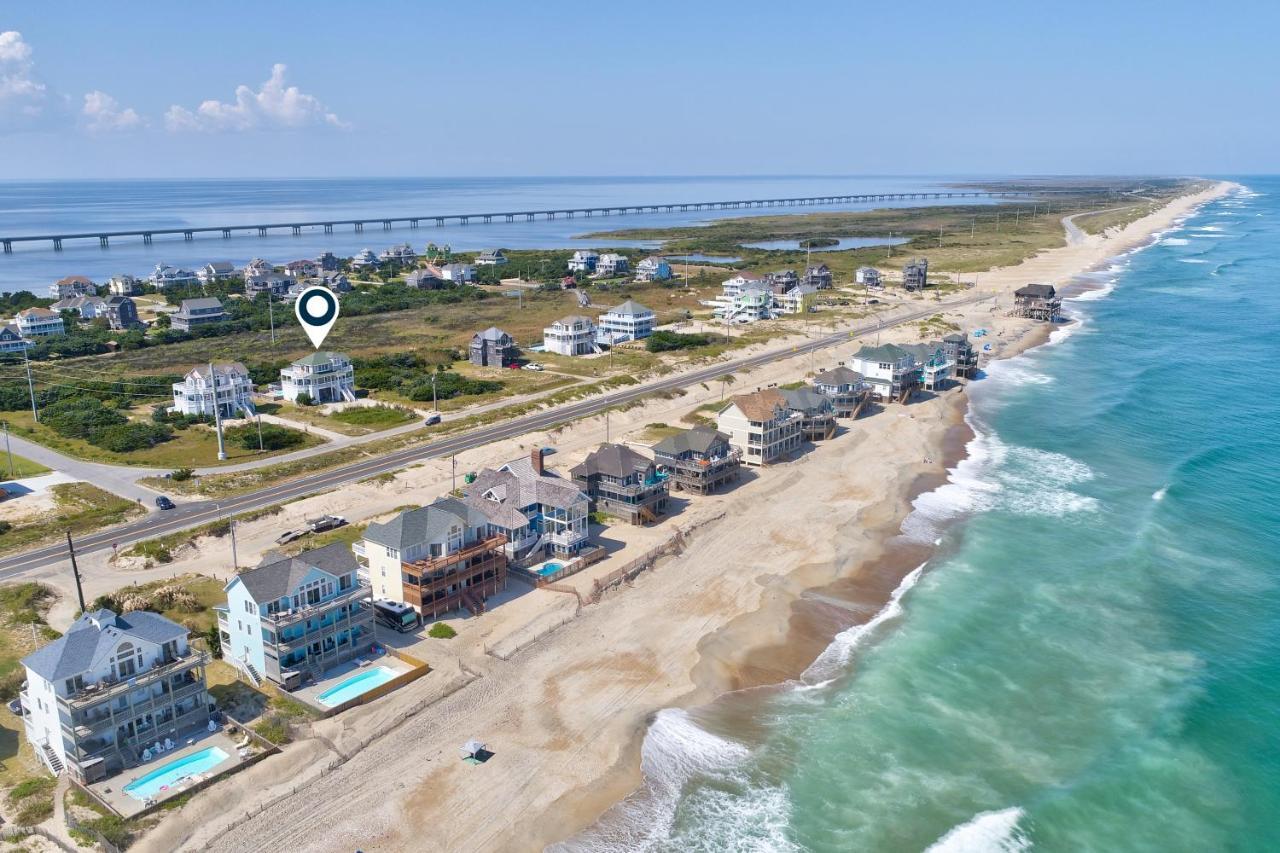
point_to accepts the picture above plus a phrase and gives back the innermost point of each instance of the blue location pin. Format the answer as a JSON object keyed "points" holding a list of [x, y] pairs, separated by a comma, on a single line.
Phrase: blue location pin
{"points": [[317, 310]]}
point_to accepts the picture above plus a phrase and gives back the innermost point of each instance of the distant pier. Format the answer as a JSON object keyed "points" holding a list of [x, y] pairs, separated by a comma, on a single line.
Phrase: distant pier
{"points": [[104, 237]]}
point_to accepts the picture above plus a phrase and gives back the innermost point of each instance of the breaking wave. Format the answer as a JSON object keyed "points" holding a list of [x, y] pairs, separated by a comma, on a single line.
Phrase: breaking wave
{"points": [[986, 832]]}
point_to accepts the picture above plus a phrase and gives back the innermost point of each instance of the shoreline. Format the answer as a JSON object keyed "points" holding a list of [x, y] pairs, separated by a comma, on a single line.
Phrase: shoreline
{"points": [[567, 715], [783, 651]]}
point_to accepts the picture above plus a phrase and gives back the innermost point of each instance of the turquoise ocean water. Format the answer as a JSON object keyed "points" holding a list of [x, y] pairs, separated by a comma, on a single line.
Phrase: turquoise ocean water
{"points": [[1091, 660]]}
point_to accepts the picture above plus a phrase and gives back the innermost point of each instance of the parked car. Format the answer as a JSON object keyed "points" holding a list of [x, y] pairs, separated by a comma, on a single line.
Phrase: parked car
{"points": [[325, 522], [432, 419], [533, 365], [163, 502]]}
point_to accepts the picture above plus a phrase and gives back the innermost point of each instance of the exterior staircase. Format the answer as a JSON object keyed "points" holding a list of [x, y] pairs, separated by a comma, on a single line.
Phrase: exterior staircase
{"points": [[251, 671], [51, 759], [348, 394], [472, 602]]}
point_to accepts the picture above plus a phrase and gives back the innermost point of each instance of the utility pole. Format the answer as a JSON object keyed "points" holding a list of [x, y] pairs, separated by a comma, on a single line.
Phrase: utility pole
{"points": [[261, 448], [973, 227], [891, 244], [939, 236], [7, 449], [31, 388], [235, 561], [217, 414], [271, 318], [435, 403], [606, 426], [453, 481], [75, 570], [997, 222]]}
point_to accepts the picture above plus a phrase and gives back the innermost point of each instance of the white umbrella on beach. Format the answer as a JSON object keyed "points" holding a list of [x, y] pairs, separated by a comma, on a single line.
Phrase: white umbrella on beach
{"points": [[471, 747]]}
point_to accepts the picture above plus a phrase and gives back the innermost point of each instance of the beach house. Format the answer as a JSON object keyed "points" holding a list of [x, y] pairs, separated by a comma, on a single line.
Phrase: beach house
{"points": [[123, 285], [302, 268], [819, 277], [868, 277], [194, 395], [584, 260], [915, 274], [739, 282], [622, 483], [653, 268], [294, 617], [491, 258], [11, 339], [747, 303], [572, 335], [257, 266], [539, 513], [761, 426], [39, 323], [963, 355], [71, 287], [845, 388], [698, 460], [797, 300], [936, 370], [492, 348], [781, 281], [458, 273], [121, 312], [629, 321], [193, 313], [364, 259], [328, 262], [100, 696], [817, 413], [216, 271], [889, 370], [1037, 302], [324, 377], [437, 558], [427, 278], [611, 264], [87, 307], [165, 276], [403, 255], [272, 283]]}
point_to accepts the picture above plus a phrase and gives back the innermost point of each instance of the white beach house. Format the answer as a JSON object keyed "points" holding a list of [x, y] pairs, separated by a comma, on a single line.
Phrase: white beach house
{"points": [[629, 321], [194, 395], [889, 370], [572, 335], [39, 323], [325, 377], [584, 260], [761, 426]]}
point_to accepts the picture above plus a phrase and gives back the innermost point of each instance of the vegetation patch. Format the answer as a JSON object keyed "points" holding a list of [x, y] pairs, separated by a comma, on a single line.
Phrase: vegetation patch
{"points": [[441, 631], [379, 417], [665, 341], [78, 507]]}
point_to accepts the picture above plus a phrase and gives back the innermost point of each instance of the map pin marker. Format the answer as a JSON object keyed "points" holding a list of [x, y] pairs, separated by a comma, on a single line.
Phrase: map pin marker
{"points": [[317, 310]]}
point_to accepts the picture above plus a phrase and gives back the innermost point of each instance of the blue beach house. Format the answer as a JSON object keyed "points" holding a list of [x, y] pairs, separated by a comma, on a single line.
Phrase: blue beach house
{"points": [[294, 617]]}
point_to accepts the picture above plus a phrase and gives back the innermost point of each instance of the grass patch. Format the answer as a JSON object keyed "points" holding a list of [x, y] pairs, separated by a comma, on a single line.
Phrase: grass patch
{"points": [[441, 631], [187, 600], [78, 507], [162, 549], [20, 467], [375, 417]]}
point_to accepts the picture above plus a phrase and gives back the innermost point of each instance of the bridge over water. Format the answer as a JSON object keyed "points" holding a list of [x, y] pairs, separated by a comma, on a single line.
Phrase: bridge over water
{"points": [[387, 223]]}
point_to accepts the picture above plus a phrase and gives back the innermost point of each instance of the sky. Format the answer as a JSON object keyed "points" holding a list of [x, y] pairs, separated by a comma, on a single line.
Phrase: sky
{"points": [[327, 89]]}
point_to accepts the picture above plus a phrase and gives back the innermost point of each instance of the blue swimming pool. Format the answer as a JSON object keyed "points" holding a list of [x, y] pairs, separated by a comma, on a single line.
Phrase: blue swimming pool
{"points": [[360, 683], [548, 569], [171, 773]]}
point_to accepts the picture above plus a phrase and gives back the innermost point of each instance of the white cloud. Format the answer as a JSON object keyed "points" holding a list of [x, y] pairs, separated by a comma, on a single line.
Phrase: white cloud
{"points": [[102, 113], [23, 98], [273, 107]]}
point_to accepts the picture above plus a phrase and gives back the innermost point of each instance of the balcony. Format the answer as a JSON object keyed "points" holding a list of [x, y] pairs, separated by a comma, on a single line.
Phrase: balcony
{"points": [[439, 566], [283, 618], [111, 688]]}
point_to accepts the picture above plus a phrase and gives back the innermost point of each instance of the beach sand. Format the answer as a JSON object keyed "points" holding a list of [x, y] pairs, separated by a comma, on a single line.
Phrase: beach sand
{"points": [[772, 570]]}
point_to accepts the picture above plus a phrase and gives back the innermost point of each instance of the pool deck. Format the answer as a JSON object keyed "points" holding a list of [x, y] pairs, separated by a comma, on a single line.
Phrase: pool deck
{"points": [[112, 790], [309, 695]]}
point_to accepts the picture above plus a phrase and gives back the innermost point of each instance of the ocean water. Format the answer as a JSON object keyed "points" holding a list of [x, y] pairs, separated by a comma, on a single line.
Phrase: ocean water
{"points": [[1091, 659], [51, 207]]}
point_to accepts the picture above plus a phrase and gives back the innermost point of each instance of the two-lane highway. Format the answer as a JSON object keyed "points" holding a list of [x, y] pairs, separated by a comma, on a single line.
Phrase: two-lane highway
{"points": [[191, 515]]}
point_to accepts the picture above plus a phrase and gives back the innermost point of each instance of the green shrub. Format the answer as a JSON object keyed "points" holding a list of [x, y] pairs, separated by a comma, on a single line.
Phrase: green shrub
{"points": [[5, 527], [180, 475], [34, 811], [275, 728], [441, 631], [663, 341], [304, 399], [274, 437]]}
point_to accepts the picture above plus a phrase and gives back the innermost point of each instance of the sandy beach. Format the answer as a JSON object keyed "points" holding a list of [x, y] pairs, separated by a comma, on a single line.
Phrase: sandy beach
{"points": [[563, 690]]}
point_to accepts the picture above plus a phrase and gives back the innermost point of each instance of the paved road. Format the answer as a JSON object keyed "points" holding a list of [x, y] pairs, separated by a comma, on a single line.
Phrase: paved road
{"points": [[190, 515], [117, 479]]}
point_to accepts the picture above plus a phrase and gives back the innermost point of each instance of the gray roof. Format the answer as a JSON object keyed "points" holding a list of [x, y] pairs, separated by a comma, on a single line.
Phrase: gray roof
{"points": [[838, 376], [805, 400], [957, 338], [613, 460], [424, 524], [1039, 291], [884, 352], [95, 634], [697, 440], [515, 486], [493, 333], [630, 307], [200, 302], [277, 578], [230, 368]]}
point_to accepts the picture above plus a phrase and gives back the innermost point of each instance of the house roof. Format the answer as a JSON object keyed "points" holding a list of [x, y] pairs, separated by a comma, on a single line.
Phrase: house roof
{"points": [[760, 405], [95, 634], [884, 352], [1038, 291], [613, 460], [500, 494], [698, 440], [319, 358], [424, 524], [72, 302], [200, 302], [10, 330], [629, 307], [221, 266], [45, 313], [838, 376], [226, 368], [76, 279], [747, 276], [493, 333], [805, 399], [572, 319], [277, 578], [957, 338]]}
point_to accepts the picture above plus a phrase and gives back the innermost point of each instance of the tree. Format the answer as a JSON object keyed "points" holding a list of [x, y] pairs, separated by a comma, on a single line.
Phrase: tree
{"points": [[304, 399]]}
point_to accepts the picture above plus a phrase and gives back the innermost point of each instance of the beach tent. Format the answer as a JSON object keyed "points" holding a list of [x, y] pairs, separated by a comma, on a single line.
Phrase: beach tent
{"points": [[471, 749]]}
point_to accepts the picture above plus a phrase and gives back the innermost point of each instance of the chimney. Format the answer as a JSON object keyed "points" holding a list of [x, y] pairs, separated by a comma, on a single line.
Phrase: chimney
{"points": [[535, 459]]}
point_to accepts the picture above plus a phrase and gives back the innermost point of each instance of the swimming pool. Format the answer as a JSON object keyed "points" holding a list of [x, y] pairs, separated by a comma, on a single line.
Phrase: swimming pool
{"points": [[356, 685], [548, 569], [170, 774]]}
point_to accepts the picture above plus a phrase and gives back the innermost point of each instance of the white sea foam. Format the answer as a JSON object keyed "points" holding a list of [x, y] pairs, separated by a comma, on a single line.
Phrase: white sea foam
{"points": [[836, 655], [675, 750], [1158, 494], [1192, 261], [1097, 293], [985, 832]]}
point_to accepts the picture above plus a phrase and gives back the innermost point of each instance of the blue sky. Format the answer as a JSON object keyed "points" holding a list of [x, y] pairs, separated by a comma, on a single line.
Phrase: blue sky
{"points": [[561, 88]]}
